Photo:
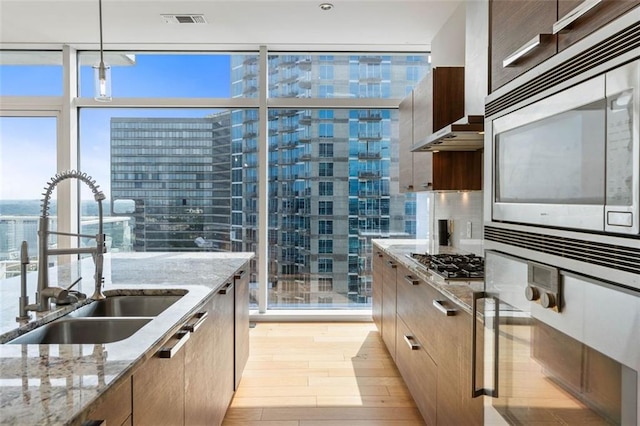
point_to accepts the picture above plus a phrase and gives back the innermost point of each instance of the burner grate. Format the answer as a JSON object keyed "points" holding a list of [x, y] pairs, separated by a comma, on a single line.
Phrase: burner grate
{"points": [[452, 266]]}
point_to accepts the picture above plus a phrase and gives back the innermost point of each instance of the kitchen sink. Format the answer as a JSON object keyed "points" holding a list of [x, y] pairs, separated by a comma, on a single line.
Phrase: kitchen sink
{"points": [[82, 331], [138, 305]]}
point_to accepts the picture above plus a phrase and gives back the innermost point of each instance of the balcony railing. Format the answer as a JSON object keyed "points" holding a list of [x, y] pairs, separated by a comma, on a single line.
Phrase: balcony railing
{"points": [[370, 136], [369, 174], [369, 156]]}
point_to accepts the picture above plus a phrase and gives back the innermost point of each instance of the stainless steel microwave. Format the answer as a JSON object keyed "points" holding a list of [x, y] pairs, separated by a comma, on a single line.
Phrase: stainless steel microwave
{"points": [[572, 160]]}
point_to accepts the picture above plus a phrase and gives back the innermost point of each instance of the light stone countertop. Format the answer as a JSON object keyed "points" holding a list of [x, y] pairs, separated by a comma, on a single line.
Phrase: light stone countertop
{"points": [[460, 292], [55, 384]]}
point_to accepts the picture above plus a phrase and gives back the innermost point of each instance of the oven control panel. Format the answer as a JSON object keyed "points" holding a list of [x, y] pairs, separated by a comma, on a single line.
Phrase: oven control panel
{"points": [[543, 286]]}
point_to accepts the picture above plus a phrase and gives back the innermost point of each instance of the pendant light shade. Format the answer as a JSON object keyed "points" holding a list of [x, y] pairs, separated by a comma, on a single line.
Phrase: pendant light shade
{"points": [[101, 72]]}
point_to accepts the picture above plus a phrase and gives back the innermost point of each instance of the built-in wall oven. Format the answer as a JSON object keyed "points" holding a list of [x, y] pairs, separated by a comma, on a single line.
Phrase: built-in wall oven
{"points": [[561, 307], [559, 347], [572, 160]]}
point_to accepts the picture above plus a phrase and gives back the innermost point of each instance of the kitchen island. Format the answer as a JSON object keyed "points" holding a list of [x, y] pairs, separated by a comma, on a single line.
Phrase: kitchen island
{"points": [[59, 384]]}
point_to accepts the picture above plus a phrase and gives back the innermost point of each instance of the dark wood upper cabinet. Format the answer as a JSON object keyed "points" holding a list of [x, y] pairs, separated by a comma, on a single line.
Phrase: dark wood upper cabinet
{"points": [[512, 25], [436, 102], [594, 18], [525, 33], [457, 170]]}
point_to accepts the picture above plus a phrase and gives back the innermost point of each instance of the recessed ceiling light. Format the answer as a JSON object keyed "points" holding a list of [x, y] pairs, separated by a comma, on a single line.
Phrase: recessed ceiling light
{"points": [[326, 6]]}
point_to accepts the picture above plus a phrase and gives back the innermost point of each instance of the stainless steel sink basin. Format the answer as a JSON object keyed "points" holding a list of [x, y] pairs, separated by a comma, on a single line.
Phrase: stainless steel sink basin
{"points": [[127, 306], [82, 331]]}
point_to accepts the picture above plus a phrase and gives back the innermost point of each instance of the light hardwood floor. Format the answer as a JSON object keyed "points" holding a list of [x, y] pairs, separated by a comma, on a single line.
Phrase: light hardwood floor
{"points": [[320, 374]]}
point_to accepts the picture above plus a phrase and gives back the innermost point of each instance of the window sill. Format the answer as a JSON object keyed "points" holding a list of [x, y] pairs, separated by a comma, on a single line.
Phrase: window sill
{"points": [[311, 315]]}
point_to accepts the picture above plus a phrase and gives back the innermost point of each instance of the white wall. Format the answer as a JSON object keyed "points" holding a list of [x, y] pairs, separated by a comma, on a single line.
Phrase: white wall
{"points": [[447, 47], [461, 209]]}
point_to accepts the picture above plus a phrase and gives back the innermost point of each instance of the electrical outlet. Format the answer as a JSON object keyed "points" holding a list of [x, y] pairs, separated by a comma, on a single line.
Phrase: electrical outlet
{"points": [[469, 229]]}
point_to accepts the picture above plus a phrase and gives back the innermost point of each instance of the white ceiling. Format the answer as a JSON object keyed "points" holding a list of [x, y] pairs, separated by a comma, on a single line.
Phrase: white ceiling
{"points": [[233, 24]]}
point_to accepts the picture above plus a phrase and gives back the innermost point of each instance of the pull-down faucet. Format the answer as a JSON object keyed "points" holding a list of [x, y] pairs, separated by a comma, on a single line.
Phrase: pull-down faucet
{"points": [[45, 292]]}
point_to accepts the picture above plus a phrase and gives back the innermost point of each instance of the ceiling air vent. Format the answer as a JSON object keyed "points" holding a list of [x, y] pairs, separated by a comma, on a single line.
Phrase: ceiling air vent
{"points": [[184, 19]]}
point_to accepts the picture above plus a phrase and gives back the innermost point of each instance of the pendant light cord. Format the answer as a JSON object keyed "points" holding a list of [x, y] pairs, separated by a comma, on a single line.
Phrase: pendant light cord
{"points": [[100, 15]]}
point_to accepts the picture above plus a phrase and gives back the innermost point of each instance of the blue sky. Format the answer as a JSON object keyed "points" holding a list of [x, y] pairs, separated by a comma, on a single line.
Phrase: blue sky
{"points": [[27, 145]]}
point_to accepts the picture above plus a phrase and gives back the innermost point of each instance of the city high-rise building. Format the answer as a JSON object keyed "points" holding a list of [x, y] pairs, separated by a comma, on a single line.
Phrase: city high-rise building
{"points": [[332, 174], [177, 171]]}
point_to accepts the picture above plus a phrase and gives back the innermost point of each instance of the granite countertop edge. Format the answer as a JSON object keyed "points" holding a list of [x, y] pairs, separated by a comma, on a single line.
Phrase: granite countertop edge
{"points": [[460, 292]]}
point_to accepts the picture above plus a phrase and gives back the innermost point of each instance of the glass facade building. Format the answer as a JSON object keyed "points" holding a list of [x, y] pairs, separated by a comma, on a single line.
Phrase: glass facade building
{"points": [[332, 175], [177, 172], [190, 157]]}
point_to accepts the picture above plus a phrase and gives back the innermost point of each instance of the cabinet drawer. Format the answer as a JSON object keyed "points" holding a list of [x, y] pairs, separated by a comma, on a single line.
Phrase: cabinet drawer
{"points": [[418, 370], [415, 306]]}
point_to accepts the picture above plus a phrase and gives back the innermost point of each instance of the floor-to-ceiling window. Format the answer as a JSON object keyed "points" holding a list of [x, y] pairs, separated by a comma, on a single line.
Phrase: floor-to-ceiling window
{"points": [[178, 154], [30, 86]]}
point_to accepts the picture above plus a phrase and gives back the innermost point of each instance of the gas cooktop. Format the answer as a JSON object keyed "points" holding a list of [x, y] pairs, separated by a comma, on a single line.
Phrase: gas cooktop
{"points": [[452, 266]]}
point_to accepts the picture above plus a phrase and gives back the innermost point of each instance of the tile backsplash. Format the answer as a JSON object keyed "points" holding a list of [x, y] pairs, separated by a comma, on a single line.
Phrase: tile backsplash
{"points": [[463, 210]]}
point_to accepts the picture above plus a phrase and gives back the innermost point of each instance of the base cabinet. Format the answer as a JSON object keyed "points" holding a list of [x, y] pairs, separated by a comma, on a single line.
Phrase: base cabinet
{"points": [[419, 372], [376, 291], [389, 306], [433, 346], [115, 407], [222, 373], [158, 386], [241, 324], [453, 356], [208, 362]]}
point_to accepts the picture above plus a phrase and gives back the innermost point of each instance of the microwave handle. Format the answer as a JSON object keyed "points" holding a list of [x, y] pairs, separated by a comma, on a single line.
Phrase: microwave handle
{"points": [[475, 392]]}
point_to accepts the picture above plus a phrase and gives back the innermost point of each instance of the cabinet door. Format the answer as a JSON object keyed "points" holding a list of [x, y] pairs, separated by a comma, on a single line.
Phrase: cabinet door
{"points": [[378, 280], [457, 170], [389, 307], [513, 24], [606, 11], [223, 352], [414, 305], [419, 372], [422, 128], [241, 327], [158, 386], [405, 132], [115, 407], [453, 344], [199, 368]]}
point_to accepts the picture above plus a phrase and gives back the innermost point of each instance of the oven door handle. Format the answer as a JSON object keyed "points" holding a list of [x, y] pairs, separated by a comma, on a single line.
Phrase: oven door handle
{"points": [[475, 392]]}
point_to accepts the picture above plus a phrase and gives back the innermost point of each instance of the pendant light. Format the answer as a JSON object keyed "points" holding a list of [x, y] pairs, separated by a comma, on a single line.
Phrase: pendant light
{"points": [[102, 72]]}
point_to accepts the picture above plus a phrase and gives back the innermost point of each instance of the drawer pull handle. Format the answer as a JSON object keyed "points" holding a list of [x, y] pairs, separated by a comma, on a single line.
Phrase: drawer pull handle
{"points": [[413, 345], [182, 337], [240, 275], [201, 318], [574, 15], [392, 264], [411, 280], [447, 311], [525, 49], [227, 288]]}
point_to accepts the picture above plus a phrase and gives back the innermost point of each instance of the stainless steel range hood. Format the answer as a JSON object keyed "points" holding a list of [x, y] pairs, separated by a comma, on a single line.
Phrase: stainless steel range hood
{"points": [[466, 134]]}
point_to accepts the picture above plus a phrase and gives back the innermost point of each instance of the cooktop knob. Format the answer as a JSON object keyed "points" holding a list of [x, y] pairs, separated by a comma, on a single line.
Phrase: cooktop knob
{"points": [[548, 300], [531, 293]]}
